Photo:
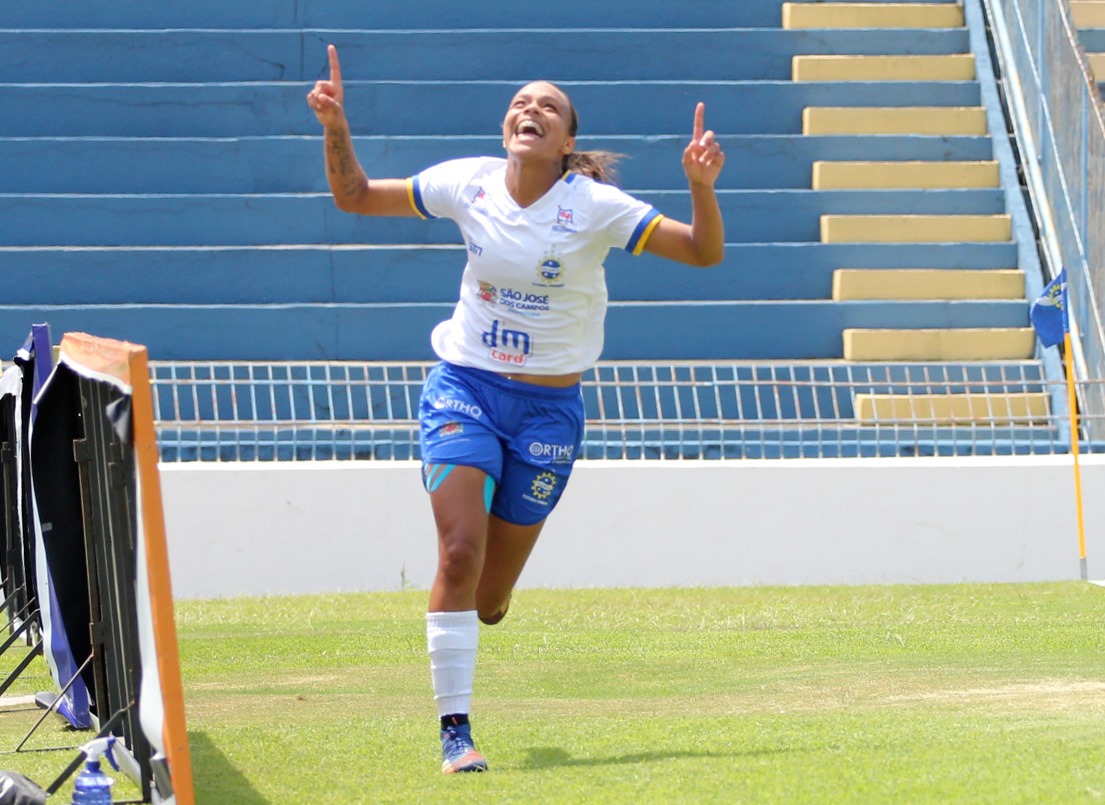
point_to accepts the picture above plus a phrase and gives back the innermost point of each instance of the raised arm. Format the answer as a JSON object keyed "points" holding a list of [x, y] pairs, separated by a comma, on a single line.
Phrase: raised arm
{"points": [[702, 242], [352, 189]]}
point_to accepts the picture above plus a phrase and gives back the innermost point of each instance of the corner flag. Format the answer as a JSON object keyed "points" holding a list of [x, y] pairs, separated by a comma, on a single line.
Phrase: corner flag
{"points": [[1049, 312]]}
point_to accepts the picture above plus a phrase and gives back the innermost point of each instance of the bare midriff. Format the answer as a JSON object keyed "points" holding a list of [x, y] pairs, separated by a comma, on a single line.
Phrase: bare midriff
{"points": [[555, 381]]}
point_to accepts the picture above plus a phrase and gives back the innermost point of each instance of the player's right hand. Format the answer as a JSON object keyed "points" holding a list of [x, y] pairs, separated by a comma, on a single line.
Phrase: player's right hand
{"points": [[325, 99]]}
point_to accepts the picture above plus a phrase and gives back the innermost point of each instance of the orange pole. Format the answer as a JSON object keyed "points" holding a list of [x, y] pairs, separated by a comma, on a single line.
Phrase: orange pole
{"points": [[1072, 401]]}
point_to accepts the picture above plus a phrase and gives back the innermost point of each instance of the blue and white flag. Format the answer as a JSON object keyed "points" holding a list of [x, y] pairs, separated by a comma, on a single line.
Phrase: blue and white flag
{"points": [[1049, 312]]}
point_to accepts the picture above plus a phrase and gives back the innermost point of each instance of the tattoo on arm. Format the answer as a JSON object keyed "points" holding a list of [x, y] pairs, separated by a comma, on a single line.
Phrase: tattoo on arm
{"points": [[342, 166]]}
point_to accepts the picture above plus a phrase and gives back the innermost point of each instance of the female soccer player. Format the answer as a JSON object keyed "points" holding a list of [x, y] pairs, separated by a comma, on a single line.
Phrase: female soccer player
{"points": [[502, 415]]}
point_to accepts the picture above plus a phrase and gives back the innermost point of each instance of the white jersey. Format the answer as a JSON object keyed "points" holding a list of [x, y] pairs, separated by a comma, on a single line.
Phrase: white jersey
{"points": [[533, 295]]}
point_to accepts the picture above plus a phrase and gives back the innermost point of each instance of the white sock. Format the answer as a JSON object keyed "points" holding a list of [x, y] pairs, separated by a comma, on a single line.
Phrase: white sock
{"points": [[452, 639]]}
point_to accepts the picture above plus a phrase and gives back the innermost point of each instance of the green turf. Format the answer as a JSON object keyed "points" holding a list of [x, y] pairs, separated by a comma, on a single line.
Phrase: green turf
{"points": [[870, 695]]}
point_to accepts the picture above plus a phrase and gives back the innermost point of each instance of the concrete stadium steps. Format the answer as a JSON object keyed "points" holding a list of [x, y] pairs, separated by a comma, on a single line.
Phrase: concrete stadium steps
{"points": [[1089, 19], [276, 164], [757, 330], [911, 343], [872, 15], [858, 67], [1092, 39], [647, 108], [1087, 13], [916, 228], [589, 54], [947, 120], [354, 14], [912, 283], [950, 343], [1007, 408], [872, 175], [195, 220], [1097, 65], [218, 118], [288, 274]]}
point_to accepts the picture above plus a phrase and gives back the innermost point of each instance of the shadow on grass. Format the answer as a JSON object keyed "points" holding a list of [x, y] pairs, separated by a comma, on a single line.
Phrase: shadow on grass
{"points": [[220, 781], [550, 756]]}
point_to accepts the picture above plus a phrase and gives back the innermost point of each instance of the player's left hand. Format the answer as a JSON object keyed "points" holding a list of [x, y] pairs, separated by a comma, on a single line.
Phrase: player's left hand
{"points": [[703, 157]]}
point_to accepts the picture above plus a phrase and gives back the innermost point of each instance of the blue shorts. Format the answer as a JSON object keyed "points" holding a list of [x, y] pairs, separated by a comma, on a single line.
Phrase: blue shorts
{"points": [[525, 437]]}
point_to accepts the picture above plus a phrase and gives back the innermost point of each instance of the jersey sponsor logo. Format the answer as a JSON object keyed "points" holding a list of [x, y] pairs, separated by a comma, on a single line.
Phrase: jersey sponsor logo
{"points": [[557, 453], [487, 293], [474, 204], [524, 302], [461, 406], [544, 484], [451, 429], [475, 249], [506, 345], [564, 220]]}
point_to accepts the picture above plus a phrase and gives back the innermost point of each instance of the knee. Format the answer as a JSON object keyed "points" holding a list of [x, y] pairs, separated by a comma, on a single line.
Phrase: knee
{"points": [[460, 556]]}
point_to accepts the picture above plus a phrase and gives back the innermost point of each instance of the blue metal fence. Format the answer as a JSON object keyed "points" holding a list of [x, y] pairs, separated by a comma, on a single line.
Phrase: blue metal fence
{"points": [[1055, 104], [635, 410]]}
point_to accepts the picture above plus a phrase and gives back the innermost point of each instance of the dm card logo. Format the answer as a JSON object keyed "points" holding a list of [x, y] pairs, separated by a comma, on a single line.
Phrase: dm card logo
{"points": [[506, 345]]}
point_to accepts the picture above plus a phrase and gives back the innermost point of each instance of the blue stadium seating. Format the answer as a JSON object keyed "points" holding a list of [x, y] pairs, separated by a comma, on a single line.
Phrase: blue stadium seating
{"points": [[174, 194]]}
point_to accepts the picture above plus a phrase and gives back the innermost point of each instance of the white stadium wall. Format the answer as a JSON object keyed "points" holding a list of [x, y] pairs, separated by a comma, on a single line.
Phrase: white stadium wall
{"points": [[287, 528]]}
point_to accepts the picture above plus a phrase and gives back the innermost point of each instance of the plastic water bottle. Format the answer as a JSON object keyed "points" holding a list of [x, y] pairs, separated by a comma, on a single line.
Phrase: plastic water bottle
{"points": [[93, 787]]}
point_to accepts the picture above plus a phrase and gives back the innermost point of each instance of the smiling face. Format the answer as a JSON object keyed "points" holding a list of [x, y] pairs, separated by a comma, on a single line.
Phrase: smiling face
{"points": [[539, 124]]}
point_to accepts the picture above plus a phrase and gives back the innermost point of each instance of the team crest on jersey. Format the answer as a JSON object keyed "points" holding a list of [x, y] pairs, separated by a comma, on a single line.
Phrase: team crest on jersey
{"points": [[488, 293], [550, 270]]}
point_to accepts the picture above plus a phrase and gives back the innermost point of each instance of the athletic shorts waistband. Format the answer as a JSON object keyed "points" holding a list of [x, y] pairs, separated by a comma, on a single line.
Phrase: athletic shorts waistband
{"points": [[501, 383]]}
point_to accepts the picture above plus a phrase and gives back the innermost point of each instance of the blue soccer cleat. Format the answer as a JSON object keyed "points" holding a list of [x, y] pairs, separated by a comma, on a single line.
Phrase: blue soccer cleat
{"points": [[459, 752]]}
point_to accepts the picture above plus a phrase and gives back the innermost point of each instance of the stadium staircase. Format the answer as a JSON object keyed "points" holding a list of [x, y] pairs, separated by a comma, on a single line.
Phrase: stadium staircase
{"points": [[1089, 18], [161, 182]]}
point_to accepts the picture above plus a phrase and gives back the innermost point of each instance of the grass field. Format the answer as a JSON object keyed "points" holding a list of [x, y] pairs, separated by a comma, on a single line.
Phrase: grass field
{"points": [[800, 695]]}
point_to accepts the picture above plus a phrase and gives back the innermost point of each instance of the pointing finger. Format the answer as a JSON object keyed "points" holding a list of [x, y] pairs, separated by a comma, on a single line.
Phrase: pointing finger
{"points": [[335, 66], [699, 122]]}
